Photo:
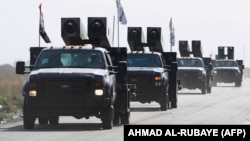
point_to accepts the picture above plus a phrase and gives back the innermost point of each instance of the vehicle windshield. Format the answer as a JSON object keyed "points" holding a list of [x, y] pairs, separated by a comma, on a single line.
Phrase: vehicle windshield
{"points": [[70, 59], [189, 62], [144, 60], [225, 64]]}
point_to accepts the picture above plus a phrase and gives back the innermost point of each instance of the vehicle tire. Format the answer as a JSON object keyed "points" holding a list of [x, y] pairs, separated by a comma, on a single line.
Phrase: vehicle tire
{"points": [[164, 103], [204, 90], [28, 117], [209, 85], [116, 120], [174, 103], [125, 118], [209, 89], [54, 120], [107, 117], [43, 120], [238, 84]]}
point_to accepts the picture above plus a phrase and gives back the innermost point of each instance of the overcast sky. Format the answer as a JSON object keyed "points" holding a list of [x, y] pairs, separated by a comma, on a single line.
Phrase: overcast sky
{"points": [[214, 22]]}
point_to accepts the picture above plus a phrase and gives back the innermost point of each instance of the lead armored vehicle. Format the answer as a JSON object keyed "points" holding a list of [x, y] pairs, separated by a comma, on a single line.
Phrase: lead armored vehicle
{"points": [[85, 78]]}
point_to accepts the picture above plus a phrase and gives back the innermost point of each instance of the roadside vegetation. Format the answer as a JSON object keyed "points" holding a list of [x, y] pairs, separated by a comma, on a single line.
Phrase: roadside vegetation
{"points": [[11, 99]]}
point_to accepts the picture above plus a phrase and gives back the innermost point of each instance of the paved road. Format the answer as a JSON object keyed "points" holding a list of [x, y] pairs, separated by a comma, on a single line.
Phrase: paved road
{"points": [[225, 105]]}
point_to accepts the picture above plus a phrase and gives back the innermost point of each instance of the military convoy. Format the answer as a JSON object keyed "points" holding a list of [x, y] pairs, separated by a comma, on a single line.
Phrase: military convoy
{"points": [[194, 72], [226, 68], [151, 69], [64, 81], [89, 77]]}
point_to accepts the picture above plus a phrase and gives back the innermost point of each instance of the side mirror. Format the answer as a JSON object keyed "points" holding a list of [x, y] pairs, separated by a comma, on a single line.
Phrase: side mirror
{"points": [[20, 67]]}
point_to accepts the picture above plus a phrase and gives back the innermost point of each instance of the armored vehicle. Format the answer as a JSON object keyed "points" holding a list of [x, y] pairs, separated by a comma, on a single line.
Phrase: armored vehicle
{"points": [[226, 68], [194, 71], [85, 78], [149, 67]]}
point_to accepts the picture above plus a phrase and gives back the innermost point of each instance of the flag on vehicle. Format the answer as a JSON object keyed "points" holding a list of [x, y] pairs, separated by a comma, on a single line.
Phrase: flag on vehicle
{"points": [[42, 32], [172, 36], [121, 14]]}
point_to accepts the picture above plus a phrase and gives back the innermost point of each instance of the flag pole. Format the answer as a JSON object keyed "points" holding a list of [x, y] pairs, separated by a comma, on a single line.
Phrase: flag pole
{"points": [[172, 36], [118, 29], [113, 34], [121, 18], [39, 37]]}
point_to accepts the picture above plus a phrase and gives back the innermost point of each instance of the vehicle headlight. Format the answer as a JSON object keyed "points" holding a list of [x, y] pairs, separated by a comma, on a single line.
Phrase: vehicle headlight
{"points": [[32, 89], [99, 92], [32, 93], [99, 86], [215, 72]]}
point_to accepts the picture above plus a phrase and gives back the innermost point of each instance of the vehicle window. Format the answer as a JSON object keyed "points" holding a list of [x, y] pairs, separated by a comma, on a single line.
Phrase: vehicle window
{"points": [[225, 64], [189, 63], [71, 59], [144, 60]]}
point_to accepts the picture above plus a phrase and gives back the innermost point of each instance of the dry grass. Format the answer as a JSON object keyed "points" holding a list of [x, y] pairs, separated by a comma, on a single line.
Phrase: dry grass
{"points": [[10, 91]]}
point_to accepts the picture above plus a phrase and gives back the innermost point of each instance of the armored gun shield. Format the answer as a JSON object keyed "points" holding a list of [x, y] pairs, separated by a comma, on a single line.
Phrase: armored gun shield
{"points": [[34, 52], [241, 65], [230, 52], [221, 52], [118, 54], [169, 57], [184, 48], [207, 60], [240, 62], [99, 32], [197, 48], [135, 37], [72, 31], [155, 39]]}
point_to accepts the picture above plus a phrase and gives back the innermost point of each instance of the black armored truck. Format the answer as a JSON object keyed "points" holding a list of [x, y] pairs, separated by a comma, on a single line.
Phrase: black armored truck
{"points": [[194, 72], [87, 77], [226, 68], [152, 70]]}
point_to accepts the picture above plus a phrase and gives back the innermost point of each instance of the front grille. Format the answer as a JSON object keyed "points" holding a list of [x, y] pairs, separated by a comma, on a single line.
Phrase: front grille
{"points": [[67, 86], [188, 74], [141, 79], [226, 72]]}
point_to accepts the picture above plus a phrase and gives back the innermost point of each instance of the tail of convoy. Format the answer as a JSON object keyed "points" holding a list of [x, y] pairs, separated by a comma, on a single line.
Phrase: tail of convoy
{"points": [[65, 81], [153, 71], [226, 68], [194, 71]]}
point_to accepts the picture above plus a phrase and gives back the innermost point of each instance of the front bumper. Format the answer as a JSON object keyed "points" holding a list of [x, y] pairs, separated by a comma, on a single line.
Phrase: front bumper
{"points": [[66, 106]]}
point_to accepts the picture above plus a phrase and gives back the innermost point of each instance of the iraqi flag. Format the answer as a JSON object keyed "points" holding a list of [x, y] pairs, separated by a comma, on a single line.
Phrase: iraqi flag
{"points": [[42, 32]]}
